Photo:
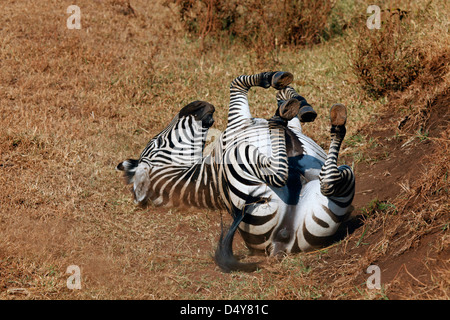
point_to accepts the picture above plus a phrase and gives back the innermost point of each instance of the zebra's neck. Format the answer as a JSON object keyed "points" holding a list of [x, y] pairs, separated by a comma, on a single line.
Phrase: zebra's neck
{"points": [[194, 185]]}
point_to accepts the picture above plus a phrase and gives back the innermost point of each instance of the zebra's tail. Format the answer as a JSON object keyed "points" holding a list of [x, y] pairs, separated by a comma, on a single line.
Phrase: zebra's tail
{"points": [[224, 256], [129, 169]]}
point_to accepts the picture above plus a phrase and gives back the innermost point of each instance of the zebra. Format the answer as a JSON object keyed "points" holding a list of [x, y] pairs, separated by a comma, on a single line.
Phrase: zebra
{"points": [[284, 192]]}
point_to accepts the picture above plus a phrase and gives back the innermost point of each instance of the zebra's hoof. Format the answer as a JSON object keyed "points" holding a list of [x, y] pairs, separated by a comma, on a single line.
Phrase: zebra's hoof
{"points": [[338, 114], [281, 79], [289, 109], [307, 114]]}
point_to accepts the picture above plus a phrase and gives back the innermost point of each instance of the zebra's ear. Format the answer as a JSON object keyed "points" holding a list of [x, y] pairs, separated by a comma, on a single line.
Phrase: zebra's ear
{"points": [[141, 182], [129, 168]]}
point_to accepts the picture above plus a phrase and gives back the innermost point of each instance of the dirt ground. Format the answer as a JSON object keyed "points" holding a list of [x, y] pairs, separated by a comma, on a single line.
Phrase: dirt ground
{"points": [[402, 163], [75, 103]]}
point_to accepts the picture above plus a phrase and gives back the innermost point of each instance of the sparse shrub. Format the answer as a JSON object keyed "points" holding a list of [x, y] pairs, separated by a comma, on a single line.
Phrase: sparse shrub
{"points": [[261, 24], [387, 59]]}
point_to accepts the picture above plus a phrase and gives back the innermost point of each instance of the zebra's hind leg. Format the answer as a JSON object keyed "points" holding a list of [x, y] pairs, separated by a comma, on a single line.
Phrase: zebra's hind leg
{"points": [[306, 113], [337, 183], [287, 110]]}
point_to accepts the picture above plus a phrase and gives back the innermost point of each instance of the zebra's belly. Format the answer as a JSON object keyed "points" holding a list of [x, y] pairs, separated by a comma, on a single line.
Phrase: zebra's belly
{"points": [[262, 220], [277, 226]]}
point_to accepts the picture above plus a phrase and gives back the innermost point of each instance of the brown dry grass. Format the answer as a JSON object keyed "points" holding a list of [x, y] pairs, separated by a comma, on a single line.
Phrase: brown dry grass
{"points": [[76, 102], [264, 24]]}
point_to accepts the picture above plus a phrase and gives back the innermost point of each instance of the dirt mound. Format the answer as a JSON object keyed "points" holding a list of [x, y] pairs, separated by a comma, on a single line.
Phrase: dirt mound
{"points": [[402, 192], [398, 158]]}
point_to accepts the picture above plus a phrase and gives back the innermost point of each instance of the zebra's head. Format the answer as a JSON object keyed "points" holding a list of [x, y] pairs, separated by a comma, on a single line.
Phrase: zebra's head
{"points": [[179, 145]]}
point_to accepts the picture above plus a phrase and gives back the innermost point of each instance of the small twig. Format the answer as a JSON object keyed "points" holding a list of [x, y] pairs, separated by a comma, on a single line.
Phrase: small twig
{"points": [[414, 277], [404, 267]]}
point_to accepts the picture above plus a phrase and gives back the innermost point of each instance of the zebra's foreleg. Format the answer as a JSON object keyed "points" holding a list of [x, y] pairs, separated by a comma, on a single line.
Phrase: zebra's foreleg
{"points": [[337, 181], [239, 109], [275, 79]]}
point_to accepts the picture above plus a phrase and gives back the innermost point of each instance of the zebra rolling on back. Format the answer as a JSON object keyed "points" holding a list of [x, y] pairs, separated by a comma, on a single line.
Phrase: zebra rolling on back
{"points": [[283, 191]]}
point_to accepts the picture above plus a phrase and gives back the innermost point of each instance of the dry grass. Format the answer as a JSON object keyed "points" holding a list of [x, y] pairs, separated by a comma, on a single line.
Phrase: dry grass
{"points": [[74, 103], [387, 60], [391, 58], [263, 24]]}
